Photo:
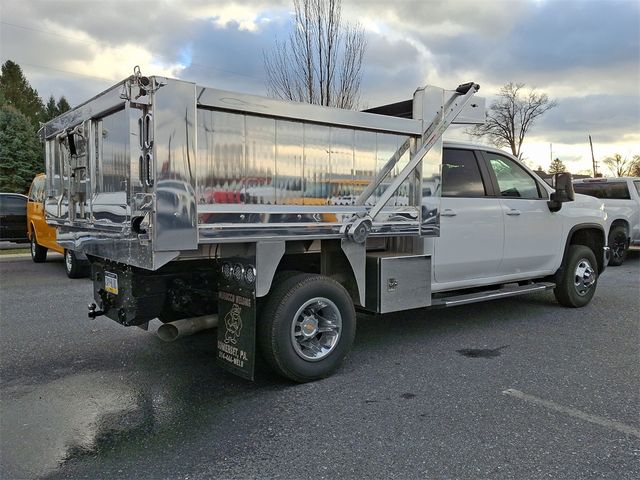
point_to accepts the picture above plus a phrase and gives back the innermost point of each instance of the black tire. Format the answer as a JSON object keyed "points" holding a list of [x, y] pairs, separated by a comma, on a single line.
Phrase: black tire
{"points": [[74, 267], [619, 244], [579, 279], [276, 327], [38, 252], [282, 276]]}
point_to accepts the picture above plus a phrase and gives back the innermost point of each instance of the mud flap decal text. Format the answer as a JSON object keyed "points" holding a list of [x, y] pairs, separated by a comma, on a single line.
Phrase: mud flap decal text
{"points": [[237, 330]]}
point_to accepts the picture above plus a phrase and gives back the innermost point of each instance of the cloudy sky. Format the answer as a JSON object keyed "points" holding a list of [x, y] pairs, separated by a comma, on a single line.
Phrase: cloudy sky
{"points": [[584, 53]]}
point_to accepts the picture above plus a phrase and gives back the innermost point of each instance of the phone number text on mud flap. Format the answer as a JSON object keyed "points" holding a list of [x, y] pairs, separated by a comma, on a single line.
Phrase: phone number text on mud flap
{"points": [[231, 354]]}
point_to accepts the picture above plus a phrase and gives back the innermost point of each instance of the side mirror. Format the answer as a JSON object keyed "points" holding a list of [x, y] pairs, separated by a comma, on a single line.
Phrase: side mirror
{"points": [[563, 183]]}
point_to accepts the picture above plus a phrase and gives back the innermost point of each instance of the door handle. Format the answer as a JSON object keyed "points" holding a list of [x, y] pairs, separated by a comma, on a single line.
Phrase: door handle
{"points": [[447, 212], [513, 212]]}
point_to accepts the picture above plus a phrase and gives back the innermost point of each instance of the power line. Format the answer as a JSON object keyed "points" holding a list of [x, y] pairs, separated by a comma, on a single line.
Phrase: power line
{"points": [[67, 71], [48, 32]]}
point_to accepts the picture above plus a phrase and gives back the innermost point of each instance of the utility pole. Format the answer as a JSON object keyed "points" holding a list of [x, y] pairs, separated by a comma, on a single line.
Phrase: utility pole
{"points": [[551, 152], [593, 158]]}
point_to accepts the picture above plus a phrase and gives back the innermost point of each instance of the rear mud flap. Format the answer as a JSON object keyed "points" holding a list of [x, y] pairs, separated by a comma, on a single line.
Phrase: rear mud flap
{"points": [[237, 328]]}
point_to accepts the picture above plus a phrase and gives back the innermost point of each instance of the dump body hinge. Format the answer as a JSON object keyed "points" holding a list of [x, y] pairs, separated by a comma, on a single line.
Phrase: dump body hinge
{"points": [[360, 226]]}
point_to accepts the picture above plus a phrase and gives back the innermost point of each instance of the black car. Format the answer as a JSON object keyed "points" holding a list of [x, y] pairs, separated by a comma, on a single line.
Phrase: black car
{"points": [[13, 218]]}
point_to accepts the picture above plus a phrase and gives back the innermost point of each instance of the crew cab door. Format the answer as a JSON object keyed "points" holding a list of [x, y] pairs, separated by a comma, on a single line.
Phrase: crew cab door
{"points": [[532, 233], [471, 222]]}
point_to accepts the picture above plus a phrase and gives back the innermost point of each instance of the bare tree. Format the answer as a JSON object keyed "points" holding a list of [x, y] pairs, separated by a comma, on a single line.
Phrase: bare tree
{"points": [[512, 115], [620, 167], [635, 167], [321, 61]]}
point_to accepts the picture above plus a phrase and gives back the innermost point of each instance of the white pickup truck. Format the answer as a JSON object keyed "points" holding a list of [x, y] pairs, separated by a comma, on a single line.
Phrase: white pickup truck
{"points": [[621, 197], [498, 226], [275, 220]]}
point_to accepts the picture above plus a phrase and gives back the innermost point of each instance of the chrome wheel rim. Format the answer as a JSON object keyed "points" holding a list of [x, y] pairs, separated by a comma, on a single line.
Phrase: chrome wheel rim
{"points": [[584, 277], [316, 329], [68, 261], [33, 247]]}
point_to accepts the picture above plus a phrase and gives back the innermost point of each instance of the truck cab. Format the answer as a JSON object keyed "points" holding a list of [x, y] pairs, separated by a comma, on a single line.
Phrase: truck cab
{"points": [[496, 224]]}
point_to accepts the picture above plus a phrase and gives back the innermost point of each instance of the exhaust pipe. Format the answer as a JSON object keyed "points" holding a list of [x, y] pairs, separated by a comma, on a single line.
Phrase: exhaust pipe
{"points": [[185, 327]]}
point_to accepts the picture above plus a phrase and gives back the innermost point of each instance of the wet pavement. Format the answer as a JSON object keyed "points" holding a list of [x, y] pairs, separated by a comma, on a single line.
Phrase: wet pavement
{"points": [[423, 394]]}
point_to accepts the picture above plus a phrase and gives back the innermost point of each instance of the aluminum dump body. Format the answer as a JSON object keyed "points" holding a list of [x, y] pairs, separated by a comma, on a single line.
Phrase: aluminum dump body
{"points": [[156, 169]]}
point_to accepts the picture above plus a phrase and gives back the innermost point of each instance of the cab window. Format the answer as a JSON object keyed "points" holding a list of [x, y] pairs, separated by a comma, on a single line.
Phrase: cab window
{"points": [[40, 192], [618, 191], [461, 174], [13, 205], [604, 191], [513, 180], [33, 190], [36, 194], [591, 189]]}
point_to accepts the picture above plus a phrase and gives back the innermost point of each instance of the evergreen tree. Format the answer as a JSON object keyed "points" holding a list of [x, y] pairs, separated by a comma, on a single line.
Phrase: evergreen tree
{"points": [[16, 91], [557, 166], [63, 105], [53, 109], [21, 156], [50, 110]]}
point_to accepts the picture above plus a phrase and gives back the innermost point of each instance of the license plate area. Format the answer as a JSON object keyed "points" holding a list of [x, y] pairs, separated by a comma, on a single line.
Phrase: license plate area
{"points": [[128, 295], [111, 282]]}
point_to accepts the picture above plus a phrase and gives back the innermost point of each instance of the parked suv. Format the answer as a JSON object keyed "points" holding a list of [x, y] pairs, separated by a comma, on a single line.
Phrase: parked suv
{"points": [[13, 217], [621, 196], [43, 237]]}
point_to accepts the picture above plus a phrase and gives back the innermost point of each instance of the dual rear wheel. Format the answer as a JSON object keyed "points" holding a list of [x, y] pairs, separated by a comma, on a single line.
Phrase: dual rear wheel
{"points": [[307, 326]]}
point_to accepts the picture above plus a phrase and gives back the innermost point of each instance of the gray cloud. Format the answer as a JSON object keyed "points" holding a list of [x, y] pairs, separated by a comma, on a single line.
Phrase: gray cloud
{"points": [[228, 57], [442, 17], [605, 117], [572, 47], [578, 34], [554, 38]]}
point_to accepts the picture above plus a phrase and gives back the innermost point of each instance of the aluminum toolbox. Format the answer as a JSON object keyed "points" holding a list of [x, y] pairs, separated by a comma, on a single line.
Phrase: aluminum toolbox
{"points": [[397, 282]]}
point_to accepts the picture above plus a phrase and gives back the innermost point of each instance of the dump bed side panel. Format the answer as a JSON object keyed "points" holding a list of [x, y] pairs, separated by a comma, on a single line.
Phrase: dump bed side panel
{"points": [[268, 176]]}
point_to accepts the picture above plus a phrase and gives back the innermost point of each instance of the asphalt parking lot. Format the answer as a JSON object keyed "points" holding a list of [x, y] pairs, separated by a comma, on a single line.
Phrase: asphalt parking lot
{"points": [[518, 388]]}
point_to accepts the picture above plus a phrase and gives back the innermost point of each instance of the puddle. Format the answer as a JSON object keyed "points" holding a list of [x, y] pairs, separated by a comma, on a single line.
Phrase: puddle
{"points": [[481, 352], [45, 425]]}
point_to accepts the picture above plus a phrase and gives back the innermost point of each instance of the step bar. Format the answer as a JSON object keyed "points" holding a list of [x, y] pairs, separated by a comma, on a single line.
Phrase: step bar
{"points": [[505, 292]]}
